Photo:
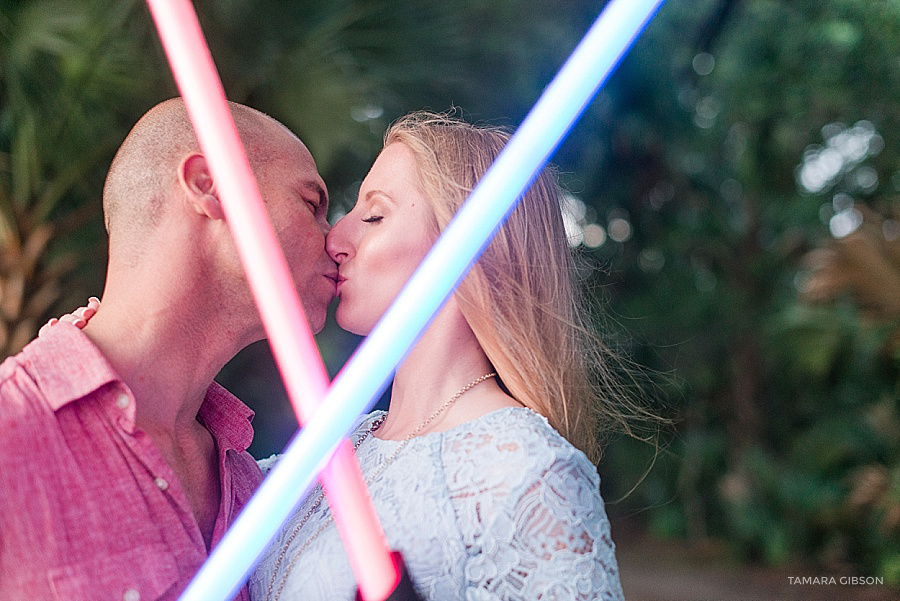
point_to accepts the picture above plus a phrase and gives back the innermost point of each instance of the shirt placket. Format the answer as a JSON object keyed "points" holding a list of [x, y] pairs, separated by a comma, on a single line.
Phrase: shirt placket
{"points": [[122, 412]]}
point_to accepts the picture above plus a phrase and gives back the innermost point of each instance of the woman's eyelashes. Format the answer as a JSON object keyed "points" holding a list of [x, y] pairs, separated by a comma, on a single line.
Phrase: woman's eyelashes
{"points": [[373, 219]]}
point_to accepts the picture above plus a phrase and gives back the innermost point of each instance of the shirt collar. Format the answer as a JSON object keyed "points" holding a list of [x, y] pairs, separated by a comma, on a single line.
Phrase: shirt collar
{"points": [[227, 418], [67, 365]]}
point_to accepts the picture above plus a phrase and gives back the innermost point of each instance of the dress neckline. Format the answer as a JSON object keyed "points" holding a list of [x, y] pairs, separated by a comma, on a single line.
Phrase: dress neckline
{"points": [[438, 435]]}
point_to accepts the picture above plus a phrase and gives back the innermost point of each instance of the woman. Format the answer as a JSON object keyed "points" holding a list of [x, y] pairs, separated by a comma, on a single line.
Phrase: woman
{"points": [[480, 469]]}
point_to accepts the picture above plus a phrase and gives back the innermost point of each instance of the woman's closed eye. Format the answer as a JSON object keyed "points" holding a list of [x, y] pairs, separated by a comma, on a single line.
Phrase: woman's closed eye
{"points": [[373, 219]]}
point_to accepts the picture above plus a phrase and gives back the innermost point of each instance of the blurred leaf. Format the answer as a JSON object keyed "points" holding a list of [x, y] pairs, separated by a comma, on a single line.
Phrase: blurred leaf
{"points": [[808, 341], [833, 444]]}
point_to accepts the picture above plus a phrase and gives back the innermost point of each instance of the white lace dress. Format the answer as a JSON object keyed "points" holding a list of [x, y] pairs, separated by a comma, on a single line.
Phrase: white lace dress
{"points": [[499, 508]]}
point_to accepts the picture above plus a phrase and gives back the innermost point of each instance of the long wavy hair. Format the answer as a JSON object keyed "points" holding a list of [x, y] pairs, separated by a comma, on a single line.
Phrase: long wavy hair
{"points": [[522, 298]]}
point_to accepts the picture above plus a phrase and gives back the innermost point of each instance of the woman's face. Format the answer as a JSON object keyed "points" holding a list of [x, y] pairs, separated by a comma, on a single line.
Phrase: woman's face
{"points": [[379, 244]]}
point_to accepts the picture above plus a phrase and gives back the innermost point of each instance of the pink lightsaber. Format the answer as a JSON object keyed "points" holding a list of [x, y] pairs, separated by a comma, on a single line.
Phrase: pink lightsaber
{"points": [[292, 342]]}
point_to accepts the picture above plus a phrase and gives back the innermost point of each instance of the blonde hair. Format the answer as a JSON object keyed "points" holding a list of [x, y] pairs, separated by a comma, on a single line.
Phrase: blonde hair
{"points": [[522, 298]]}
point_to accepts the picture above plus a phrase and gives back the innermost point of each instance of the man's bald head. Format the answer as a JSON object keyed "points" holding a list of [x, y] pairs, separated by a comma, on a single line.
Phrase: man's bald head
{"points": [[168, 242], [144, 171]]}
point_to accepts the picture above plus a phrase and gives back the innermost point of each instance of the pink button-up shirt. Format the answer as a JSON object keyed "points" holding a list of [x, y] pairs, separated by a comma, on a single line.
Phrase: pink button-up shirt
{"points": [[89, 510]]}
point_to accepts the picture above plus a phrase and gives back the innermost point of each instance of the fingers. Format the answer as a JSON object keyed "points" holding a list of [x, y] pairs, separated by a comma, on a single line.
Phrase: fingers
{"points": [[74, 318], [83, 313], [78, 318], [46, 327]]}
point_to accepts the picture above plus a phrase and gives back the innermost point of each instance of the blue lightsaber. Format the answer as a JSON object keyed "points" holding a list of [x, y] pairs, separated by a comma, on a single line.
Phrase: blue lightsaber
{"points": [[369, 370]]}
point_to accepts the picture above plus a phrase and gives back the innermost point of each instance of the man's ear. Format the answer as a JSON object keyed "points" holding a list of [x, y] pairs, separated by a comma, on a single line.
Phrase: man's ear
{"points": [[198, 186]]}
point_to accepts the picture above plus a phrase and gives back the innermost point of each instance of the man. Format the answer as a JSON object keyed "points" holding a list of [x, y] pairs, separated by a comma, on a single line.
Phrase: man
{"points": [[121, 461]]}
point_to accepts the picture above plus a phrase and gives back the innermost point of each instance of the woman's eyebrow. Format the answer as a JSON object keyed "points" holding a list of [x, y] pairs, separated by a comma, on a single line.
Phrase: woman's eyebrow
{"points": [[372, 193]]}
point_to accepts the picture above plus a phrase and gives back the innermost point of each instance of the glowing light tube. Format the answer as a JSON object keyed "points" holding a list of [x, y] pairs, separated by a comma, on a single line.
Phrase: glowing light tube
{"points": [[369, 370], [292, 343]]}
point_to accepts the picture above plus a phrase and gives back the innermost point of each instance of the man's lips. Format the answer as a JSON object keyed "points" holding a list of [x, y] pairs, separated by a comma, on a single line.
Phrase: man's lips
{"points": [[337, 279], [334, 278]]}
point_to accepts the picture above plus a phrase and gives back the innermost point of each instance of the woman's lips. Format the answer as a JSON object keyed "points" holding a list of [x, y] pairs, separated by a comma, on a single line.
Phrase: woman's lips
{"points": [[339, 280]]}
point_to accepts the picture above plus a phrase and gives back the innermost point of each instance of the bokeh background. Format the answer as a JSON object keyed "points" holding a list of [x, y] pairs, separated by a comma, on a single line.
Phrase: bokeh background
{"points": [[734, 192]]}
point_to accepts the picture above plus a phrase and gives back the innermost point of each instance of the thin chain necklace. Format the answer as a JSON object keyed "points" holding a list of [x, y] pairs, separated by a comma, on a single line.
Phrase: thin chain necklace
{"points": [[374, 426]]}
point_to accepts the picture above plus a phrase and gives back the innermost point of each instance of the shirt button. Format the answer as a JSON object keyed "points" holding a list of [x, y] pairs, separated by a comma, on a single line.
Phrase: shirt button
{"points": [[122, 402], [161, 483], [131, 595]]}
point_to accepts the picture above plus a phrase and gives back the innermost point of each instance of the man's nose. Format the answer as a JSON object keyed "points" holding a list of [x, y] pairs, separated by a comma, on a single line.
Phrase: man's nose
{"points": [[335, 249]]}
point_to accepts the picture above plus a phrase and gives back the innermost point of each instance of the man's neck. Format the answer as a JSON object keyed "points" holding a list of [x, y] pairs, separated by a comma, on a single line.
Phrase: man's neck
{"points": [[166, 358]]}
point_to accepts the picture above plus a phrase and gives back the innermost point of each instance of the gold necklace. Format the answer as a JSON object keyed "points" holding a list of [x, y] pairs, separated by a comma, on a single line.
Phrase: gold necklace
{"points": [[374, 426]]}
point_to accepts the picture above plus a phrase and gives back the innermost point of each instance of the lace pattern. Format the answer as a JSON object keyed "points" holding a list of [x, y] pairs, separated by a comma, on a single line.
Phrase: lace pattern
{"points": [[499, 509]]}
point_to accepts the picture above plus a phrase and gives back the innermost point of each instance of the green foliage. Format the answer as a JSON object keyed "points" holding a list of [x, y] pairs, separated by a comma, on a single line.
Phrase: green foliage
{"points": [[802, 401], [66, 75]]}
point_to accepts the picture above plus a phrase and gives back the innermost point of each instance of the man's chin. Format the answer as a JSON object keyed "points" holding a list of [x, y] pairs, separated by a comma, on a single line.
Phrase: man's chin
{"points": [[317, 323]]}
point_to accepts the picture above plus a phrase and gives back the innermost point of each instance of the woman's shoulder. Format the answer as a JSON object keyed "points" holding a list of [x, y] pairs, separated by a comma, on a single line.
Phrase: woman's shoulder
{"points": [[521, 427], [267, 464], [511, 467], [363, 424], [519, 439]]}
